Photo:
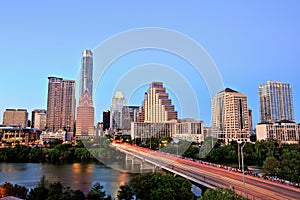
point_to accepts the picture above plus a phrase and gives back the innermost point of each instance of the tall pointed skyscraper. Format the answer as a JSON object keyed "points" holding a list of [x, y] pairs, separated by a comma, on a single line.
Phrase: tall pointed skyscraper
{"points": [[85, 110], [85, 117], [86, 72], [117, 103]]}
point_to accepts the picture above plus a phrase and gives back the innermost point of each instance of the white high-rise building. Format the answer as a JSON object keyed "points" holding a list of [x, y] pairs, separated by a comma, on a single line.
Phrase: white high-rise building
{"points": [[117, 103], [157, 107], [230, 116]]}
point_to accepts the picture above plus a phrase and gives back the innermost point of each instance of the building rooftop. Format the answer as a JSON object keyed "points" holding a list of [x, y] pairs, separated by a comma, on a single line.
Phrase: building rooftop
{"points": [[229, 90]]}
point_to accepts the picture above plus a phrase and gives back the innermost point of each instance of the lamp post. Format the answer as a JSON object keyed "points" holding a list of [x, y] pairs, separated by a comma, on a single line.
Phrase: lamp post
{"points": [[243, 170]]}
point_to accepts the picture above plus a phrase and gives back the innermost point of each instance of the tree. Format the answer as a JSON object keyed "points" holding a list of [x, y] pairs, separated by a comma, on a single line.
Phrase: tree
{"points": [[97, 192], [271, 166], [220, 194], [55, 189], [125, 193], [151, 186]]}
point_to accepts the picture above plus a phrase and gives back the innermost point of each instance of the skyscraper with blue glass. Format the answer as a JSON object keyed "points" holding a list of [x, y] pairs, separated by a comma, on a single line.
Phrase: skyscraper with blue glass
{"points": [[86, 79], [85, 110], [276, 102]]}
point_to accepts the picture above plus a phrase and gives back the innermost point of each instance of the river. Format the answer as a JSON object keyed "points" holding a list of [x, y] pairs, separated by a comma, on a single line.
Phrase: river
{"points": [[77, 176]]}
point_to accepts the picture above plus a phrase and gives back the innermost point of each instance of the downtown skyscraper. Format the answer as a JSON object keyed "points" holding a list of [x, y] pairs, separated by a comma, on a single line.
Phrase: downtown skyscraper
{"points": [[117, 103], [85, 110], [157, 107], [60, 105], [230, 116], [86, 73], [276, 102]]}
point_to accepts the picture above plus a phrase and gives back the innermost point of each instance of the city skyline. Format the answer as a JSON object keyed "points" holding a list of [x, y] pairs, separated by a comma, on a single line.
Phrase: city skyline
{"points": [[250, 43]]}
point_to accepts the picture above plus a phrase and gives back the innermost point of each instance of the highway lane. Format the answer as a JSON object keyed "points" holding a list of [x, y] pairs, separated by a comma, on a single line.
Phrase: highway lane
{"points": [[256, 188]]}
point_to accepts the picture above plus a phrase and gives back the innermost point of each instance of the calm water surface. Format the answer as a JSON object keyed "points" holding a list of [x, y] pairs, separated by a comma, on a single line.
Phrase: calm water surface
{"points": [[77, 176]]}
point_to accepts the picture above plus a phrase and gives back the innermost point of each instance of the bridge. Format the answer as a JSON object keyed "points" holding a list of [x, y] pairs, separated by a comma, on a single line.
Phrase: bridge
{"points": [[210, 176]]}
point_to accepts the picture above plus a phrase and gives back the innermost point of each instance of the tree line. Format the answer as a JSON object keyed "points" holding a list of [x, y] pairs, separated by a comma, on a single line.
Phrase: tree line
{"points": [[56, 152], [280, 160], [148, 186]]}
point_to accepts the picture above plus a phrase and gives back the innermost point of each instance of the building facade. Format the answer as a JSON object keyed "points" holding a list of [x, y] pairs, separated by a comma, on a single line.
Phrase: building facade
{"points": [[117, 103], [276, 102], [85, 116], [60, 104], [16, 117], [157, 107], [38, 119], [85, 110], [145, 130], [284, 132], [230, 116], [47, 137], [106, 120], [191, 131], [86, 78], [129, 114], [17, 135]]}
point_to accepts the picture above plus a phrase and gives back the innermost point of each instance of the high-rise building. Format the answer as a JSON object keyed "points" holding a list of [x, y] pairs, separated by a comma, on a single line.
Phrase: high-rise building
{"points": [[250, 119], [36, 114], [85, 116], [38, 119], [276, 102], [60, 104], [86, 78], [16, 117], [157, 107], [85, 110], [106, 120], [230, 116], [117, 103], [129, 114]]}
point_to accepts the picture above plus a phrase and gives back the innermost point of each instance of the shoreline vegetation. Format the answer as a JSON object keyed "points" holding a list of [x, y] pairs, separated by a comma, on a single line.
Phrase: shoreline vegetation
{"points": [[146, 186]]}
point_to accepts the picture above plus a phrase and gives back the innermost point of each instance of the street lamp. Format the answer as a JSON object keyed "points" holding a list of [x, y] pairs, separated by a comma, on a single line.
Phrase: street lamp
{"points": [[243, 170]]}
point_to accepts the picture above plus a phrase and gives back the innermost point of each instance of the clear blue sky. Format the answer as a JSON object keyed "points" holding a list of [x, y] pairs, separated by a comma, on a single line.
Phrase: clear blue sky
{"points": [[250, 42]]}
